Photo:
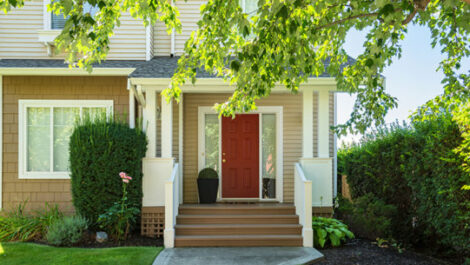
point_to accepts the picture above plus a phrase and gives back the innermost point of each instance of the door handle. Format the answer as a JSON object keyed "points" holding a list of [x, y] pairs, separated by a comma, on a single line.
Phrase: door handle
{"points": [[223, 160]]}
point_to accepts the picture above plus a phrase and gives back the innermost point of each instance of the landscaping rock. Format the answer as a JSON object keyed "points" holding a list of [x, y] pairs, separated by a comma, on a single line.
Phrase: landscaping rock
{"points": [[101, 237]]}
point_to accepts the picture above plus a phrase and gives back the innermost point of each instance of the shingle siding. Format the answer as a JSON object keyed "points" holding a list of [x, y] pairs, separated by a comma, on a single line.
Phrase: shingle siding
{"points": [[37, 192]]}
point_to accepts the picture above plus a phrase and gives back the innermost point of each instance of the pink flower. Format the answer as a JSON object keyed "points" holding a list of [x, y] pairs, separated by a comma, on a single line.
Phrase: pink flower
{"points": [[129, 177], [125, 180], [123, 175]]}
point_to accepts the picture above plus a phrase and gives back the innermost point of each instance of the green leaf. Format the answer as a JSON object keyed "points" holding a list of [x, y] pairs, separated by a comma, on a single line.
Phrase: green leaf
{"points": [[235, 65]]}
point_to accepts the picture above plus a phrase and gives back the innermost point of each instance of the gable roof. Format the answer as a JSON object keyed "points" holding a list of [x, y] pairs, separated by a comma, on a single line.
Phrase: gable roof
{"points": [[157, 67]]}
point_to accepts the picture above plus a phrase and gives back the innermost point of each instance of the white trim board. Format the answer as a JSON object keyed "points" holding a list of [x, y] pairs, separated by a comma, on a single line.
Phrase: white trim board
{"points": [[278, 111], [22, 139], [164, 82]]}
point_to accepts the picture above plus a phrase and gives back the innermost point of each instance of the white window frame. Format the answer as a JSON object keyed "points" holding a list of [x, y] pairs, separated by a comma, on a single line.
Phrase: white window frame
{"points": [[47, 17], [22, 130], [278, 111], [243, 4]]}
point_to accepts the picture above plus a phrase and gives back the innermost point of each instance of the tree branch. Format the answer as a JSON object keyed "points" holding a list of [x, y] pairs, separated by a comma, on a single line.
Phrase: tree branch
{"points": [[410, 17]]}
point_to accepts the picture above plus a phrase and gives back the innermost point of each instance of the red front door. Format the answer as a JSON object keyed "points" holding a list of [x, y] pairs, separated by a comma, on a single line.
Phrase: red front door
{"points": [[240, 156]]}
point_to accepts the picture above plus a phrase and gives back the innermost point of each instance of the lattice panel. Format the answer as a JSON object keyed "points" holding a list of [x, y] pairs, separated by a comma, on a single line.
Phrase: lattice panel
{"points": [[153, 221]]}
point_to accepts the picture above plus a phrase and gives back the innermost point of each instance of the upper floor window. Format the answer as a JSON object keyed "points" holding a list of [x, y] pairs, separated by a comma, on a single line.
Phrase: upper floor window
{"points": [[58, 21], [249, 6], [45, 127]]}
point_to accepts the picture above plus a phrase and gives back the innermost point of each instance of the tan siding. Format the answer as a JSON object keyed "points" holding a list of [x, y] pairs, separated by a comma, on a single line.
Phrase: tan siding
{"points": [[18, 32], [292, 137], [315, 124], [331, 122], [37, 192], [189, 16], [175, 140], [161, 40], [332, 135], [128, 42], [19, 35]]}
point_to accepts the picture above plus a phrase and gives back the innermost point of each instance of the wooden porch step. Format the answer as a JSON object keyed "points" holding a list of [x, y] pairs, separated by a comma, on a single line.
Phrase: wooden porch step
{"points": [[238, 229], [228, 209], [239, 240], [237, 219]]}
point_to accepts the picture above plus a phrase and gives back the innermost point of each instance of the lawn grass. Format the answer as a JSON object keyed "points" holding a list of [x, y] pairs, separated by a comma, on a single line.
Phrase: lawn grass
{"points": [[29, 253]]}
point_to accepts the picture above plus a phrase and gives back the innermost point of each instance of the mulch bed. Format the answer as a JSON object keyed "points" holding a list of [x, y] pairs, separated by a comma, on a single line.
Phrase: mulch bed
{"points": [[134, 240], [364, 252]]}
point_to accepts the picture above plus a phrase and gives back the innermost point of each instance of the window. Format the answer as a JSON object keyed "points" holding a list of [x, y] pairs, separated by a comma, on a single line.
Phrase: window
{"points": [[211, 142], [249, 6], [58, 21], [268, 162], [45, 127]]}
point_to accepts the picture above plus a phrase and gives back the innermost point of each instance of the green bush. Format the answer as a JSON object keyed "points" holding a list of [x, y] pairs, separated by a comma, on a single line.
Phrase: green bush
{"points": [[99, 151], [369, 216], [66, 231], [329, 230], [416, 170], [17, 225]]}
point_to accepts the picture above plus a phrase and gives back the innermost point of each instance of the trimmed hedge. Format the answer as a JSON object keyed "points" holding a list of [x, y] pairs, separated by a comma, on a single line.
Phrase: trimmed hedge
{"points": [[99, 150], [415, 170]]}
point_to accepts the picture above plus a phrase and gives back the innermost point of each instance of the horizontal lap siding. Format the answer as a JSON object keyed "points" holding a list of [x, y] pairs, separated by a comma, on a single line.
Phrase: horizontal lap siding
{"points": [[292, 137], [175, 131], [37, 192], [128, 41], [315, 124], [189, 16], [19, 32], [19, 35]]}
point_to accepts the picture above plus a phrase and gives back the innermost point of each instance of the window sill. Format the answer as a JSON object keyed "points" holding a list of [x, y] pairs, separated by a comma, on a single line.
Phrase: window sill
{"points": [[44, 175], [48, 36]]}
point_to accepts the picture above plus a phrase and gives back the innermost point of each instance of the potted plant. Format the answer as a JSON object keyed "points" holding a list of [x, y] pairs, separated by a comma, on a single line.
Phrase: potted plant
{"points": [[208, 185]]}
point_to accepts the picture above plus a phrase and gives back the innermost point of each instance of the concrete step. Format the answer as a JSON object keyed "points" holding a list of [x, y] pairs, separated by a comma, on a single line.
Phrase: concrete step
{"points": [[237, 219], [238, 229], [239, 241]]}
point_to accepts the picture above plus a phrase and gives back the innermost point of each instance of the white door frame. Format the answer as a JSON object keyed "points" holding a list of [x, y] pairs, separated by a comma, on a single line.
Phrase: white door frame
{"points": [[278, 111]]}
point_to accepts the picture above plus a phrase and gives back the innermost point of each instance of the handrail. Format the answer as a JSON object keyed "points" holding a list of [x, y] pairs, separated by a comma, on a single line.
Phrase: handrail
{"points": [[174, 173], [300, 171], [303, 204], [171, 206]]}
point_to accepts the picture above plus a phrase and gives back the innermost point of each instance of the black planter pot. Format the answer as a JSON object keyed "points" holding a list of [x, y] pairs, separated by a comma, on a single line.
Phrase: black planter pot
{"points": [[207, 190]]}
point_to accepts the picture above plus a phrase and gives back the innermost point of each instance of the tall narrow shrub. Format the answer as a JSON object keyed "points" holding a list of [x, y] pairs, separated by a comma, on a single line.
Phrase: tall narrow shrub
{"points": [[99, 151]]}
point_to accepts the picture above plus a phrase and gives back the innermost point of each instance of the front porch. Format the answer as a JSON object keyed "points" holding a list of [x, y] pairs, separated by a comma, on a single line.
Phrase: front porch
{"points": [[297, 160]]}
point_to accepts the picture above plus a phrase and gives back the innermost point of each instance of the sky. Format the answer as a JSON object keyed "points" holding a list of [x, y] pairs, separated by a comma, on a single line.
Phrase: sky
{"points": [[412, 79]]}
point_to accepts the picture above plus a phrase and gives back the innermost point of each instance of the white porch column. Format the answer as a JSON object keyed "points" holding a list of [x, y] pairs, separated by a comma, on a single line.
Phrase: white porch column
{"points": [[131, 108], [323, 123], [150, 122], [307, 123], [167, 128]]}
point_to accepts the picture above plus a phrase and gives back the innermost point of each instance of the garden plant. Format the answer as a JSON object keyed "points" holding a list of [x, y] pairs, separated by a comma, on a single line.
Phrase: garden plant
{"points": [[118, 219], [329, 230]]}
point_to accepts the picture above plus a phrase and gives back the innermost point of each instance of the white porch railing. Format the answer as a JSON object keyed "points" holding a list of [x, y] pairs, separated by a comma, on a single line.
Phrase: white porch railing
{"points": [[303, 204], [171, 206]]}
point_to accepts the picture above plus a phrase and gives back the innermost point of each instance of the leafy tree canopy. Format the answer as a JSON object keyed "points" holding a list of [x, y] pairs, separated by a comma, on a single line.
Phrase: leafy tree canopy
{"points": [[286, 41]]}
